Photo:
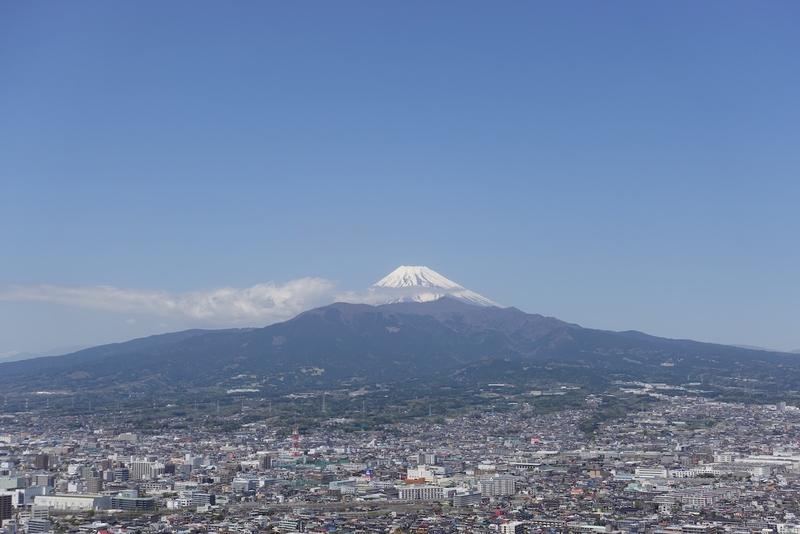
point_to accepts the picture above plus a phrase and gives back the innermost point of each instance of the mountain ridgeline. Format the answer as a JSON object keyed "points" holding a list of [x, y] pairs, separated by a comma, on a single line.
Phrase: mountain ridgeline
{"points": [[446, 341]]}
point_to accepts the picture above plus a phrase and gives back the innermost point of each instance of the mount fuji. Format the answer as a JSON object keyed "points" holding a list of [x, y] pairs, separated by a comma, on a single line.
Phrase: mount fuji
{"points": [[412, 326], [417, 283]]}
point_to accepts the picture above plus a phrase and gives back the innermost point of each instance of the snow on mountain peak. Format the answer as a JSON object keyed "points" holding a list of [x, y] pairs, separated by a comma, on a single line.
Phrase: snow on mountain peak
{"points": [[417, 283], [416, 276]]}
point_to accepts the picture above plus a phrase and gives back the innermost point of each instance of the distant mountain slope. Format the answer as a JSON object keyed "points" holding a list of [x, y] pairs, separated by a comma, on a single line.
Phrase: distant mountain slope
{"points": [[97, 355], [441, 340]]}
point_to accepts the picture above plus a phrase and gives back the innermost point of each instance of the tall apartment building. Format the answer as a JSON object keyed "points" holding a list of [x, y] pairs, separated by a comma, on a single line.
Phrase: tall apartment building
{"points": [[41, 461], [264, 461], [122, 474], [426, 458], [145, 469], [5, 507], [498, 486]]}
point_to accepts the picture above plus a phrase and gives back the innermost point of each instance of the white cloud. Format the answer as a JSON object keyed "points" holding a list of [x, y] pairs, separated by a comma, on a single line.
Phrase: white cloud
{"points": [[260, 304], [372, 296]]}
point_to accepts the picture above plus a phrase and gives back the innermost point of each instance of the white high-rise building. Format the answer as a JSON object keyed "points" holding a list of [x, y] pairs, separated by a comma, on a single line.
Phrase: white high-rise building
{"points": [[498, 486], [145, 469]]}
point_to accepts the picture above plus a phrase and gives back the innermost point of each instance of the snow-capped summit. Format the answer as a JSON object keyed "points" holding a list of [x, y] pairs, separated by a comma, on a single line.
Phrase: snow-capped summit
{"points": [[415, 276], [417, 283]]}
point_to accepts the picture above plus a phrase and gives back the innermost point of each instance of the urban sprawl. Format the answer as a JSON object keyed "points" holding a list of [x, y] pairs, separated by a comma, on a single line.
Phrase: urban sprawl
{"points": [[682, 464]]}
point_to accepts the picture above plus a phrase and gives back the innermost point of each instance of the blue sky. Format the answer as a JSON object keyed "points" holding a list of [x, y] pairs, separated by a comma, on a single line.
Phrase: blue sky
{"points": [[623, 165]]}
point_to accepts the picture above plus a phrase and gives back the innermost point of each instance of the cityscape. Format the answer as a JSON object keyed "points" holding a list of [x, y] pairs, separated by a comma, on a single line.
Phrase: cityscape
{"points": [[399, 267], [679, 463]]}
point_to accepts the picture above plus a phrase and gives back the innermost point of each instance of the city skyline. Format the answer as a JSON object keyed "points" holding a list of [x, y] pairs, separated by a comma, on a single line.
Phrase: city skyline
{"points": [[403, 267]]}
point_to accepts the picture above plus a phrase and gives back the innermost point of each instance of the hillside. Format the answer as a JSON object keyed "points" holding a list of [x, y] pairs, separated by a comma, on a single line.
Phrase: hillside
{"points": [[445, 341]]}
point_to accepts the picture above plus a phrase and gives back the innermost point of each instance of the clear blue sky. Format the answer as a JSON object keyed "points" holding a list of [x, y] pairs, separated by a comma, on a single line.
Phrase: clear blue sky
{"points": [[624, 165]]}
